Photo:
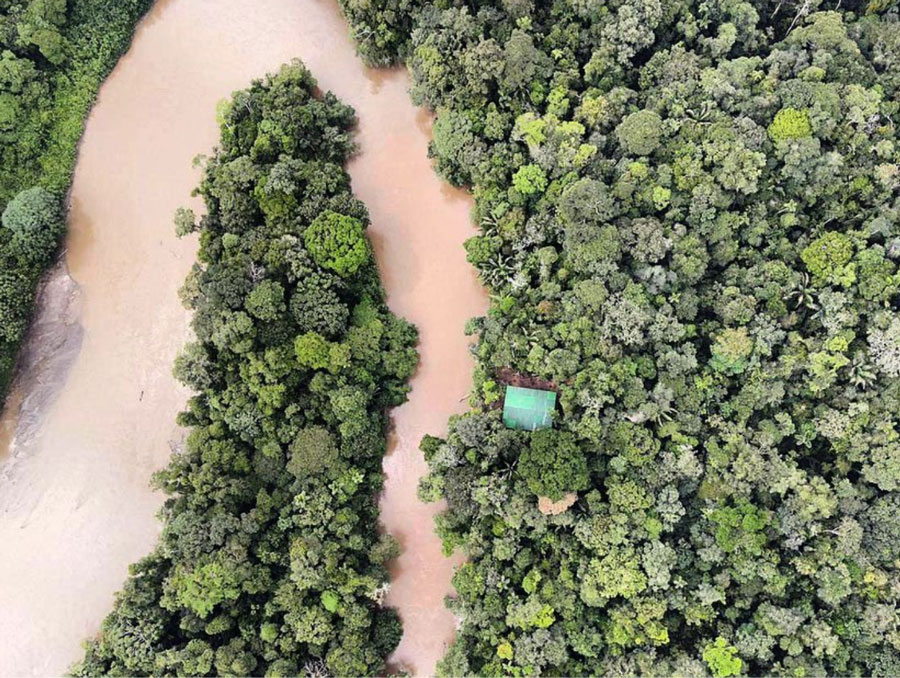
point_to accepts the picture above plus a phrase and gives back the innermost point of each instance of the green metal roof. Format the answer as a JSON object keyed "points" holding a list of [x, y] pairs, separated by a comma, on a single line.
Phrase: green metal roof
{"points": [[528, 409]]}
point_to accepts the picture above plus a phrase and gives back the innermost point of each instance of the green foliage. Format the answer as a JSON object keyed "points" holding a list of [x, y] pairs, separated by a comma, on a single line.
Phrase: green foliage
{"points": [[35, 223], [722, 659], [553, 464], [266, 300], [317, 306], [639, 133], [691, 228], [616, 574], [312, 451], [202, 588], [330, 600], [313, 350], [827, 256], [731, 350], [337, 242], [270, 561], [529, 179], [739, 527], [185, 222], [789, 123]]}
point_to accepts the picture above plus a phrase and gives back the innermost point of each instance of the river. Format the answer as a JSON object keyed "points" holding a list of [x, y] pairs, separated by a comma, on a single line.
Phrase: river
{"points": [[93, 411]]}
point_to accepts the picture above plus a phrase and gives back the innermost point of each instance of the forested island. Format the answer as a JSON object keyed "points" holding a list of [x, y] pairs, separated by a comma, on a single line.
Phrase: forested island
{"points": [[689, 221], [270, 562]]}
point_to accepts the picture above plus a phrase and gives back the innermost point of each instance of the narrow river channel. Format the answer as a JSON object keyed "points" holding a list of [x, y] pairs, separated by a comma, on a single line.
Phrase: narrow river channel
{"points": [[93, 415]]}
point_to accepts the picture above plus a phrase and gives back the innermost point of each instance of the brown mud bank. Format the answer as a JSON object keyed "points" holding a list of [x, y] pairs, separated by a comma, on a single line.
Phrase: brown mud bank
{"points": [[93, 412]]}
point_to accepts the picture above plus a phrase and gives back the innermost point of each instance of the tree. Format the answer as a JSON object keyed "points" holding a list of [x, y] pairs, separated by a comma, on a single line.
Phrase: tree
{"points": [[789, 123], [317, 307], [826, 258], [529, 179], [337, 242], [35, 221], [884, 347], [312, 451], [731, 350], [639, 133], [553, 464], [14, 286], [722, 659], [266, 300], [203, 587]]}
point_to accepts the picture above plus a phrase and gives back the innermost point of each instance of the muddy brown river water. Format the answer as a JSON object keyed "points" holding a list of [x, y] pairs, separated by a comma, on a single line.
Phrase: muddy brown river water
{"points": [[94, 409]]}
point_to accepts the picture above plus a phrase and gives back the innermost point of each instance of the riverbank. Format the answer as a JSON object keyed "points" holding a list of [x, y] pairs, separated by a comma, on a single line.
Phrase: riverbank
{"points": [[46, 102]]}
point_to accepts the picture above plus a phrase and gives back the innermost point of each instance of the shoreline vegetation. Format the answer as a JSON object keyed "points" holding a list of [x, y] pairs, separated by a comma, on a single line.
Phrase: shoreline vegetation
{"points": [[270, 562], [54, 55], [690, 218]]}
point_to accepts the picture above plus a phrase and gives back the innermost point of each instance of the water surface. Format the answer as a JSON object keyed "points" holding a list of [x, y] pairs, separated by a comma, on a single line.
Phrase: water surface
{"points": [[94, 409]]}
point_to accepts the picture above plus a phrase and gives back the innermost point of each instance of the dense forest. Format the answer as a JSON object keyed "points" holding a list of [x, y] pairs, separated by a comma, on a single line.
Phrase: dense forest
{"points": [[270, 562], [690, 228], [54, 54]]}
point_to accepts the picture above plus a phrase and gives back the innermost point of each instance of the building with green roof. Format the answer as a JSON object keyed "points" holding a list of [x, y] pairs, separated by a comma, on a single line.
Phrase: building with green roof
{"points": [[528, 409]]}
